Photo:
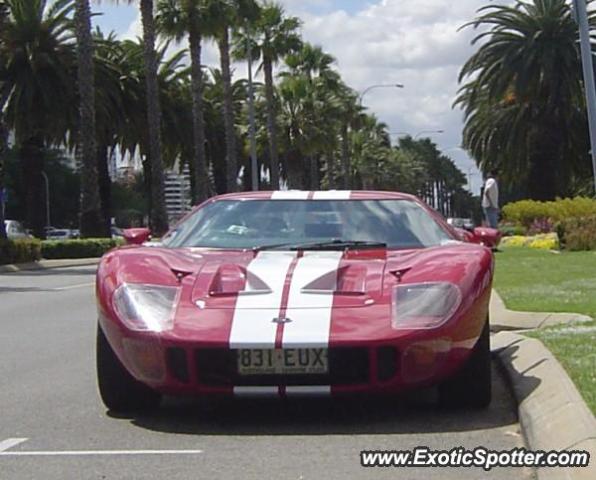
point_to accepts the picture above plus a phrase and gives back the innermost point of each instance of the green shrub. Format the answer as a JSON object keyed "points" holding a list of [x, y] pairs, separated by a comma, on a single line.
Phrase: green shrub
{"points": [[85, 248], [526, 212], [578, 234], [512, 230], [19, 251]]}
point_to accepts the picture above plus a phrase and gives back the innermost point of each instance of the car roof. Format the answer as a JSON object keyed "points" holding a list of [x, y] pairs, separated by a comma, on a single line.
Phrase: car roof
{"points": [[316, 195]]}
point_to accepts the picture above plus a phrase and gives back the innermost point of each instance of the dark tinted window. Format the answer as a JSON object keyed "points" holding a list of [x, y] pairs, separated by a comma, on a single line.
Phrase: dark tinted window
{"points": [[254, 223]]}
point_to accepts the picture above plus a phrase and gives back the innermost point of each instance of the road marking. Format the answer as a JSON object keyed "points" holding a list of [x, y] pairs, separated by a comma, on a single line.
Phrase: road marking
{"points": [[10, 442], [72, 287], [70, 453]]}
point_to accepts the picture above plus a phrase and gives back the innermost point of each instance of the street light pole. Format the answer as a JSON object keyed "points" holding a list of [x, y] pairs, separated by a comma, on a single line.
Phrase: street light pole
{"points": [[581, 11], [427, 131], [47, 182], [372, 87], [251, 115]]}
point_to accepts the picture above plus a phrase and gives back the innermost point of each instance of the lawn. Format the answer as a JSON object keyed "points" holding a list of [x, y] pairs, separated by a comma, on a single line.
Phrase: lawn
{"points": [[542, 281]]}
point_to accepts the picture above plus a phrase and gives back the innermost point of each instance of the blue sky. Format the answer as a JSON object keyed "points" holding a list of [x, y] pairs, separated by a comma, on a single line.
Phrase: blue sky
{"points": [[114, 17], [414, 42]]}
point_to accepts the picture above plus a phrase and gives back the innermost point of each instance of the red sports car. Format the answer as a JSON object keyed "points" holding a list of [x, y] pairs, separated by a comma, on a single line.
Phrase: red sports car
{"points": [[296, 293]]}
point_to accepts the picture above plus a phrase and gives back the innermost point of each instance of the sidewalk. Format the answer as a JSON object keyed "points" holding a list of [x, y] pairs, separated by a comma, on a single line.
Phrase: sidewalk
{"points": [[552, 413], [49, 264], [502, 319]]}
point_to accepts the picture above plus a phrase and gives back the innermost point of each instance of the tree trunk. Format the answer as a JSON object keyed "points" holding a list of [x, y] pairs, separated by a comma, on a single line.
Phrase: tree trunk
{"points": [[345, 156], [31, 153], [314, 173], [201, 180], [3, 150], [330, 158], [90, 219], [228, 112], [271, 123], [105, 187], [159, 218]]}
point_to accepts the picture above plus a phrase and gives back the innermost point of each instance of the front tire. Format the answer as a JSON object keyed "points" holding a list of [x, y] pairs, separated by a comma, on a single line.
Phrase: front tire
{"points": [[118, 389], [471, 386]]}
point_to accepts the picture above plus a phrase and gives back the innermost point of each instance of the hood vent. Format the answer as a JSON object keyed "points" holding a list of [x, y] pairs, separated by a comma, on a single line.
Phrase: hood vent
{"points": [[235, 280], [348, 280]]}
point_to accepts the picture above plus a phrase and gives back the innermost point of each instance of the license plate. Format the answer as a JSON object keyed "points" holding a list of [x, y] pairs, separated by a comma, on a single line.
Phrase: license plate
{"points": [[287, 361]]}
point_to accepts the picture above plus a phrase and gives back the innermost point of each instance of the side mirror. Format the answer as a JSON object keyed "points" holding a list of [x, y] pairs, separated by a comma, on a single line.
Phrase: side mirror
{"points": [[488, 237], [465, 235], [136, 236]]}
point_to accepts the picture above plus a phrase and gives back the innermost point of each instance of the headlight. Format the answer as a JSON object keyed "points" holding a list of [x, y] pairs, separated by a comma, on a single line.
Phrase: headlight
{"points": [[424, 305], [145, 307]]}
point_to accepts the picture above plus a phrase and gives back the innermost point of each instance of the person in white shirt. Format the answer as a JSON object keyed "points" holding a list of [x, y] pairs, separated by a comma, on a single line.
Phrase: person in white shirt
{"points": [[490, 200]]}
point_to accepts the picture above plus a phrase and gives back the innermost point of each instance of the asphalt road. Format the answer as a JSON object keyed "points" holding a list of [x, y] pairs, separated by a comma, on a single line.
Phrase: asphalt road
{"points": [[50, 409]]}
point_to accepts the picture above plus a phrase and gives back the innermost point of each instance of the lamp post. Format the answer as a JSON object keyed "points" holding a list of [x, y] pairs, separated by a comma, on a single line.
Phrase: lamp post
{"points": [[372, 87], [251, 116], [581, 12], [427, 131], [47, 183]]}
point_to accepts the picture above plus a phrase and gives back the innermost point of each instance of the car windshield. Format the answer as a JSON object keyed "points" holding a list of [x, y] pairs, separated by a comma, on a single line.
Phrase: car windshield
{"points": [[250, 224]]}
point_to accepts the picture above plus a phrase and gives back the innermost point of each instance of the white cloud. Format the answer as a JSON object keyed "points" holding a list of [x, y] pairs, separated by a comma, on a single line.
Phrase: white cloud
{"points": [[415, 42]]}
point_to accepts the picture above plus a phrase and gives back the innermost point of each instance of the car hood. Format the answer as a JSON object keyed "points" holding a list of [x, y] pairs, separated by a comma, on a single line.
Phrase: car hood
{"points": [[217, 279]]}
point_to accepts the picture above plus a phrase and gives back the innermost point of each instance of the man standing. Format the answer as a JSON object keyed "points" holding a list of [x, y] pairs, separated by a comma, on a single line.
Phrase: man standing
{"points": [[490, 200]]}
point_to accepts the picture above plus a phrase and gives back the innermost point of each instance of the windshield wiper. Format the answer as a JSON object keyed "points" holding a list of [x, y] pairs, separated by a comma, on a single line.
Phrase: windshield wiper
{"points": [[338, 244], [273, 246]]}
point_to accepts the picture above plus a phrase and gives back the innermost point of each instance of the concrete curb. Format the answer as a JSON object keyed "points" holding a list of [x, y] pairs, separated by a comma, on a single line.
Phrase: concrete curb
{"points": [[552, 413], [503, 319], [49, 264]]}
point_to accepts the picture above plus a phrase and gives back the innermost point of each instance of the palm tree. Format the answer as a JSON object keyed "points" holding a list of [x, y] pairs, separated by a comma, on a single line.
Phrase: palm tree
{"points": [[37, 68], [221, 15], [177, 19], [90, 219], [313, 87], [523, 99], [3, 129], [159, 218], [272, 36]]}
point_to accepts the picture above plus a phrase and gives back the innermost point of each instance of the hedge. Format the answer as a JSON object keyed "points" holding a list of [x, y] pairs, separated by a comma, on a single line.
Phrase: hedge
{"points": [[19, 251], [529, 212], [578, 234], [84, 248]]}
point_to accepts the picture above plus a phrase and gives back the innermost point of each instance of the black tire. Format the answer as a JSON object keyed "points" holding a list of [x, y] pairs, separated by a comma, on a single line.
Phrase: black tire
{"points": [[471, 386], [119, 390]]}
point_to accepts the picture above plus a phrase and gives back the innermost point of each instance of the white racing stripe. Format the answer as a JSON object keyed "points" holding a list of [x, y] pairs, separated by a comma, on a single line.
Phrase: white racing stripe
{"points": [[290, 195], [306, 391], [252, 325], [333, 195], [310, 314], [256, 391]]}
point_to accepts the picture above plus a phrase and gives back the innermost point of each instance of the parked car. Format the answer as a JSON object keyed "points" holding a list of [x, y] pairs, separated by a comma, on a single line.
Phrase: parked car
{"points": [[466, 223], [296, 293], [15, 230], [60, 234]]}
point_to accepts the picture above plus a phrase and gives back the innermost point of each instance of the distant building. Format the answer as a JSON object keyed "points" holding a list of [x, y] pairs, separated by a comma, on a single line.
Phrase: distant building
{"points": [[177, 193], [124, 167]]}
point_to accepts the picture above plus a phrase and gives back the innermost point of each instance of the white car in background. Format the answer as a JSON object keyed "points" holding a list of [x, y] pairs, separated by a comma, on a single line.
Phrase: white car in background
{"points": [[61, 234], [15, 230]]}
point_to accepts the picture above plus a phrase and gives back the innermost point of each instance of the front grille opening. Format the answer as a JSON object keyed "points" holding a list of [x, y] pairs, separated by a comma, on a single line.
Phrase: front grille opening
{"points": [[177, 364], [218, 367], [386, 363]]}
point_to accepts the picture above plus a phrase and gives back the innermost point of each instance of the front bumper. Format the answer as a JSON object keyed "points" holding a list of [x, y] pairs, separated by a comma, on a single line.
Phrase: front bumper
{"points": [[185, 367]]}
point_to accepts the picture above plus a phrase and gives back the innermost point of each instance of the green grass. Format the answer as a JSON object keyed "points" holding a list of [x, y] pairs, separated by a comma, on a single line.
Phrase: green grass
{"points": [[541, 281]]}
